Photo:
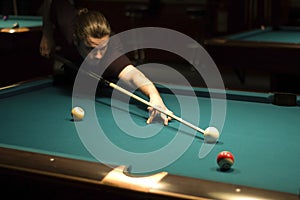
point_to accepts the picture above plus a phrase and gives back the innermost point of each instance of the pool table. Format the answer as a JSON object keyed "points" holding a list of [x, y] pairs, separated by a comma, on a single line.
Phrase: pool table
{"points": [[26, 23], [45, 154], [21, 38], [19, 49], [272, 50]]}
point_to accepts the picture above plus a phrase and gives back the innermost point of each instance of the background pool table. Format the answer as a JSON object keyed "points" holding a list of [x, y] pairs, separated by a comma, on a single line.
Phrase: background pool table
{"points": [[30, 22], [270, 50], [19, 50], [44, 153]]}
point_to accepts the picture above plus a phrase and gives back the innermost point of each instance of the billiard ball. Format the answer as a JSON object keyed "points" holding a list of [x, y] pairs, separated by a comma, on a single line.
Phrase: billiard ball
{"points": [[77, 113], [5, 17], [15, 25], [225, 160], [211, 135]]}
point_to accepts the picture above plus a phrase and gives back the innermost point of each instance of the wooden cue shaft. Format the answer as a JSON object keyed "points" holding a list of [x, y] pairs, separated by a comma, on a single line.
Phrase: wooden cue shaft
{"points": [[15, 7]]}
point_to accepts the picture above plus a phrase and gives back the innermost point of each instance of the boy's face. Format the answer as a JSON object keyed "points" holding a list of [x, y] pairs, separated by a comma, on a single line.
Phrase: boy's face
{"points": [[94, 48]]}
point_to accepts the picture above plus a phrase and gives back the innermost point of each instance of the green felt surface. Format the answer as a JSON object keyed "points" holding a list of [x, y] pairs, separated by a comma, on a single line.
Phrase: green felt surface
{"points": [[264, 138], [283, 35], [23, 21]]}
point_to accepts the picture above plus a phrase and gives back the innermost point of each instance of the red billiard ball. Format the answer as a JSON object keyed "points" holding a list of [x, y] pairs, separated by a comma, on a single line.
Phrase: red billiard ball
{"points": [[225, 160]]}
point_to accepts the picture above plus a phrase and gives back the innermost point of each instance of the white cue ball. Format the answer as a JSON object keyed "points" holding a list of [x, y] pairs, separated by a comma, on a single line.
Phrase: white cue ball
{"points": [[211, 135], [77, 113]]}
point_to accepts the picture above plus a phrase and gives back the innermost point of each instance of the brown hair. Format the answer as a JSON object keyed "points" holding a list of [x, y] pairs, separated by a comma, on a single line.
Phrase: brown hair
{"points": [[90, 24]]}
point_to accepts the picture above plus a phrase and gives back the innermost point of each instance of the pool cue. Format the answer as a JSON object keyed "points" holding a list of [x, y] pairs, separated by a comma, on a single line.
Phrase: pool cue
{"points": [[15, 7], [122, 90]]}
